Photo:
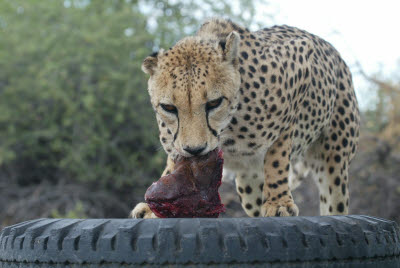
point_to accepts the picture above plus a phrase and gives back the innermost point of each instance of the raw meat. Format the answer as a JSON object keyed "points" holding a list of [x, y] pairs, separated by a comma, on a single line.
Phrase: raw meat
{"points": [[191, 190]]}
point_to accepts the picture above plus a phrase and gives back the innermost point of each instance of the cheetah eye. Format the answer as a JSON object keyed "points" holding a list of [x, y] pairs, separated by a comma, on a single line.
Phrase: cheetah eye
{"points": [[169, 108], [214, 104]]}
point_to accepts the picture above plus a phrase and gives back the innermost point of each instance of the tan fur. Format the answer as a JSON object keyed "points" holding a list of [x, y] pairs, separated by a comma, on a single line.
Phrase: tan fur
{"points": [[288, 101]]}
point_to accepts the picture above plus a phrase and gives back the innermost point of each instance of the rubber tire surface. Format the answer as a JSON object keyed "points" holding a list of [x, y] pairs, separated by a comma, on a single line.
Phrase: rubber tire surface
{"points": [[329, 241]]}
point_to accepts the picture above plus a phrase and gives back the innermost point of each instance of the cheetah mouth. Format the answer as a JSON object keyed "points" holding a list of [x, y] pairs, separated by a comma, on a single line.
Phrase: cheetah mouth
{"points": [[191, 190], [181, 155], [200, 157]]}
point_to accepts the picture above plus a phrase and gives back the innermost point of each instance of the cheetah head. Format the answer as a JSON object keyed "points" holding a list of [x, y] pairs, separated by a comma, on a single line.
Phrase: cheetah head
{"points": [[194, 88]]}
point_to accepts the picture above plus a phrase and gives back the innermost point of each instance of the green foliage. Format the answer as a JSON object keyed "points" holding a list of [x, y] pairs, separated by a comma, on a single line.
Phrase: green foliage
{"points": [[383, 110], [73, 100], [77, 213]]}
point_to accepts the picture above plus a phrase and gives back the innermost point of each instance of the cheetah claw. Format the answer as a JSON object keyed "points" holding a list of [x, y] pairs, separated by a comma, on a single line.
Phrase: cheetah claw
{"points": [[142, 211], [279, 209]]}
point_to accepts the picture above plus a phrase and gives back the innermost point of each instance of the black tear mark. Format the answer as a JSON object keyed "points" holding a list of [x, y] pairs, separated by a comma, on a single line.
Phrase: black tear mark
{"points": [[177, 131], [209, 127], [222, 44]]}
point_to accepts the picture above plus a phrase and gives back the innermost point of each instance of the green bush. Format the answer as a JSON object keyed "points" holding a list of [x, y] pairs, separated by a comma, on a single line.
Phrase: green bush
{"points": [[73, 100]]}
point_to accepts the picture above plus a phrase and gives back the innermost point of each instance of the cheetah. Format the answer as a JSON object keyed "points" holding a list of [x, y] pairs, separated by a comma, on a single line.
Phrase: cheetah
{"points": [[279, 102]]}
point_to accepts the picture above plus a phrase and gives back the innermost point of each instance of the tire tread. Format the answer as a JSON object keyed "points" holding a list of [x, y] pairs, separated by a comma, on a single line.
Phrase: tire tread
{"points": [[200, 241]]}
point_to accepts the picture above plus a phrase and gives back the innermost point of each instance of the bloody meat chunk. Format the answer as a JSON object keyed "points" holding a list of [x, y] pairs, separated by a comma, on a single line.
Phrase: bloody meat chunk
{"points": [[191, 190]]}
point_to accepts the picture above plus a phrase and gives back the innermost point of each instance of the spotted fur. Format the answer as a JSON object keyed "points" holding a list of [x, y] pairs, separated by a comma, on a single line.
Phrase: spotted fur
{"points": [[288, 109]]}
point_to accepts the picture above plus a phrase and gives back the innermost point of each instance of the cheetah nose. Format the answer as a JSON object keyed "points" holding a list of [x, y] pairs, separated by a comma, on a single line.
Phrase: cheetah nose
{"points": [[195, 150]]}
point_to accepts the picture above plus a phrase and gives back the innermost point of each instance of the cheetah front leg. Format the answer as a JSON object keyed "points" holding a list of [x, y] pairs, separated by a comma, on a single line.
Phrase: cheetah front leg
{"points": [[278, 198], [142, 210]]}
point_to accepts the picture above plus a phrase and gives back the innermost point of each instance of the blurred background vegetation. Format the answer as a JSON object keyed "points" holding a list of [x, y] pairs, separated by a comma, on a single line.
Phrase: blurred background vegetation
{"points": [[78, 136]]}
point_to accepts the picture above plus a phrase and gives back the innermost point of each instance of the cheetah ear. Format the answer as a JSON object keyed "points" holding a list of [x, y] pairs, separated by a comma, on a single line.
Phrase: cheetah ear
{"points": [[230, 47], [150, 63]]}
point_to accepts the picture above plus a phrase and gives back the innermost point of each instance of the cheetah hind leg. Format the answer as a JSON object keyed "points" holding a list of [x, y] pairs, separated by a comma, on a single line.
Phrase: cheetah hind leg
{"points": [[297, 172], [330, 173]]}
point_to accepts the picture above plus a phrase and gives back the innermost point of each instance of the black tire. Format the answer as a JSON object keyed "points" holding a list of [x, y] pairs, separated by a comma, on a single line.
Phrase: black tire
{"points": [[332, 241]]}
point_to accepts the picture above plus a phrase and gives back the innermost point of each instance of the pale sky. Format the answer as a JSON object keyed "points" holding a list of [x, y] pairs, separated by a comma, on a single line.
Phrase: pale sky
{"points": [[364, 30]]}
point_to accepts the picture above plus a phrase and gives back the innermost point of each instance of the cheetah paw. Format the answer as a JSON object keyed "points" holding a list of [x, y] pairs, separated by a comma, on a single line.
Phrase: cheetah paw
{"points": [[279, 208], [142, 211]]}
